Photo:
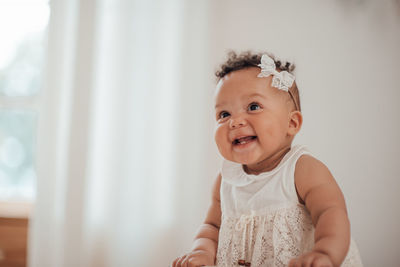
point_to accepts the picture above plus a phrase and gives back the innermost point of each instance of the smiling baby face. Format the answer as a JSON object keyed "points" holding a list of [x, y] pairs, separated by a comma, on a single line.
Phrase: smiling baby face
{"points": [[253, 120]]}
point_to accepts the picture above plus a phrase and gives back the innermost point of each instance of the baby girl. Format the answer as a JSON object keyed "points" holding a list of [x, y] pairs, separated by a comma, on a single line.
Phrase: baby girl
{"points": [[273, 203]]}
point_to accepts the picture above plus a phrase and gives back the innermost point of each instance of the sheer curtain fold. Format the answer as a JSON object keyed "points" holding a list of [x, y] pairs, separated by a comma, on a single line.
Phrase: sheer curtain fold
{"points": [[108, 141]]}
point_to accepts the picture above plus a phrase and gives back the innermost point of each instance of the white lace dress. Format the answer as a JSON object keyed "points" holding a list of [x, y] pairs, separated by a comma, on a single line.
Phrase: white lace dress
{"points": [[262, 222]]}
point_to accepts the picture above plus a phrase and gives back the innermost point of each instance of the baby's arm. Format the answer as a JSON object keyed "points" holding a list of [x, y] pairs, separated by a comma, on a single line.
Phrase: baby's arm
{"points": [[205, 245], [324, 199], [207, 236]]}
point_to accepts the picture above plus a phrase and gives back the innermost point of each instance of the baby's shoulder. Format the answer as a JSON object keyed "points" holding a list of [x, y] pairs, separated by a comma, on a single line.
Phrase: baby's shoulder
{"points": [[316, 186], [311, 172], [309, 165]]}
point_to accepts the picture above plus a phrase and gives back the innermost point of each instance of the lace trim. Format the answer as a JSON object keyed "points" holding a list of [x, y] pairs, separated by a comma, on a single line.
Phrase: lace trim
{"points": [[271, 239]]}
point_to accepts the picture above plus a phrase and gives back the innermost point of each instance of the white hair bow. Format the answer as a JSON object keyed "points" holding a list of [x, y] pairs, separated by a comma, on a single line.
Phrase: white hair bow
{"points": [[282, 80]]}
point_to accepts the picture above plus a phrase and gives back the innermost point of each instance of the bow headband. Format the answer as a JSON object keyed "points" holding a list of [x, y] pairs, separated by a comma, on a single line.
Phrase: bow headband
{"points": [[282, 80]]}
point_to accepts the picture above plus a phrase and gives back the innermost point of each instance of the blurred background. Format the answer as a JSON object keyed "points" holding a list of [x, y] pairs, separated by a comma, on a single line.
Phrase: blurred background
{"points": [[107, 153]]}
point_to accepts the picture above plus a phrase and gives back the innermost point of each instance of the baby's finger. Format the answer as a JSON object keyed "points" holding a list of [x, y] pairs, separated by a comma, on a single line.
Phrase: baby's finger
{"points": [[180, 260], [322, 262], [184, 263], [174, 263], [193, 262], [308, 261], [293, 263]]}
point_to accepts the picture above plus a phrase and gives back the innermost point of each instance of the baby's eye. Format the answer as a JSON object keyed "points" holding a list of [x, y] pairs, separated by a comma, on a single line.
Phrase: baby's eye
{"points": [[253, 106], [223, 114]]}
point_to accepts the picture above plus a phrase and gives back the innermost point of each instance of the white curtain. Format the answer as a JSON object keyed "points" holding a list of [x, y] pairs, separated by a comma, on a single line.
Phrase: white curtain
{"points": [[122, 134]]}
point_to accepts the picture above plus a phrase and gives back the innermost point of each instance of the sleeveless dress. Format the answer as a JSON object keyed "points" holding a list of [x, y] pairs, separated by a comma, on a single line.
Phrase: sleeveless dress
{"points": [[262, 223]]}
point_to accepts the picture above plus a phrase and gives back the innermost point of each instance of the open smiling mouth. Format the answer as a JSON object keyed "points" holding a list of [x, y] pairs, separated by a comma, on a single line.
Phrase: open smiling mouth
{"points": [[244, 140]]}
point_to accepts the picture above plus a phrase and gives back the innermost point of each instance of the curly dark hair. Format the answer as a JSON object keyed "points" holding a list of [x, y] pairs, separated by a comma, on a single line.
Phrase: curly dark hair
{"points": [[249, 59]]}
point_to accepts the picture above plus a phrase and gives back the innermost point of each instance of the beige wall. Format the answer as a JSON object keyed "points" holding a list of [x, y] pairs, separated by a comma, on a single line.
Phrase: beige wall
{"points": [[347, 57]]}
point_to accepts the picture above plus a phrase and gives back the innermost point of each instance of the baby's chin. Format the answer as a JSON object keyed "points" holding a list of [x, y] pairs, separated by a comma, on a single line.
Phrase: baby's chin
{"points": [[244, 160]]}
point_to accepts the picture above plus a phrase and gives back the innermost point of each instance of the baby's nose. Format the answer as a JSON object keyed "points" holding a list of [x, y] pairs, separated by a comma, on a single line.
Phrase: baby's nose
{"points": [[237, 122]]}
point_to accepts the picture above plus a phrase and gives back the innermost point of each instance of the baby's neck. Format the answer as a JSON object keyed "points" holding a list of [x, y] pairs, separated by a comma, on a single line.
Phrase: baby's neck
{"points": [[267, 164]]}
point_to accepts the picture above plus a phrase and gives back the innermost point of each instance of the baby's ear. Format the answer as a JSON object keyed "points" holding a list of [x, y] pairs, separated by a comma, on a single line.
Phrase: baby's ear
{"points": [[295, 122]]}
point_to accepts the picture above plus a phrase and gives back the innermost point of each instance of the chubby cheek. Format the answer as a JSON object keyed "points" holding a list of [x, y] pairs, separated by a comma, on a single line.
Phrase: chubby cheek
{"points": [[220, 137]]}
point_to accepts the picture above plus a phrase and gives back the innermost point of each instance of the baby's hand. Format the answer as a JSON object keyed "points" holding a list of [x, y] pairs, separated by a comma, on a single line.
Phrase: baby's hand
{"points": [[194, 259], [314, 259]]}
